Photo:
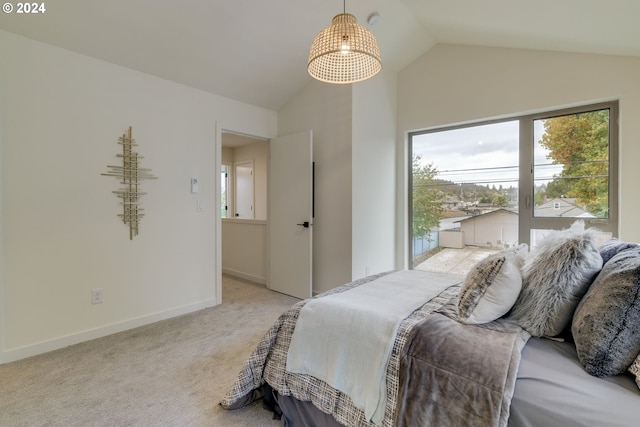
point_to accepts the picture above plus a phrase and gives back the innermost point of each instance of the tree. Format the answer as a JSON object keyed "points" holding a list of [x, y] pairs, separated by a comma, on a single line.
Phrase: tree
{"points": [[580, 142], [427, 209], [559, 188], [539, 198], [500, 200]]}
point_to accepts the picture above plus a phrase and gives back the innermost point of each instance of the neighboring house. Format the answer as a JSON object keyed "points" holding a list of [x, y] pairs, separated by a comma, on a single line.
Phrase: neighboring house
{"points": [[561, 207], [451, 224], [499, 228], [496, 228], [450, 202]]}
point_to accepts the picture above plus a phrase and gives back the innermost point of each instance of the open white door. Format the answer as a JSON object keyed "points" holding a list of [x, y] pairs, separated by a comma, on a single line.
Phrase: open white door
{"points": [[290, 214], [244, 190]]}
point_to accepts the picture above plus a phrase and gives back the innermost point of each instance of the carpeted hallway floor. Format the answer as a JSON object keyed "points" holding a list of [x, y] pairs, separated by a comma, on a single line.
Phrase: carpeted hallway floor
{"points": [[170, 373]]}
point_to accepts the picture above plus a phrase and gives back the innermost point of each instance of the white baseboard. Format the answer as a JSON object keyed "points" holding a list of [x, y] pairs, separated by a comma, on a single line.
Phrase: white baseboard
{"points": [[245, 276], [12, 355]]}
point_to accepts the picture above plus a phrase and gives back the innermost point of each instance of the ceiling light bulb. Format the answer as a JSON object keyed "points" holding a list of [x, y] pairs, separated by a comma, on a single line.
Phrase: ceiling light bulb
{"points": [[345, 48]]}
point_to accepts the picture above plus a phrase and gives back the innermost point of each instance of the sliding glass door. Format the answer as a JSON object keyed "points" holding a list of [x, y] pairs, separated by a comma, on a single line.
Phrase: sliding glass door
{"points": [[488, 186]]}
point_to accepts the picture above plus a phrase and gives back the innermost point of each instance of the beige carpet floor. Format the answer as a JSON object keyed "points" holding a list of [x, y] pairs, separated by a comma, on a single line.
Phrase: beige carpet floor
{"points": [[170, 373]]}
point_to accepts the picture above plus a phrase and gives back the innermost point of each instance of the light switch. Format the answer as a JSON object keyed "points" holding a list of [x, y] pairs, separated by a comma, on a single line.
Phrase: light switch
{"points": [[194, 185], [199, 206]]}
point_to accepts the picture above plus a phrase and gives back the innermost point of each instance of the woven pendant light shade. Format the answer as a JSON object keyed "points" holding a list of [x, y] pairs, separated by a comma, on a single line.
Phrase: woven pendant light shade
{"points": [[345, 52]]}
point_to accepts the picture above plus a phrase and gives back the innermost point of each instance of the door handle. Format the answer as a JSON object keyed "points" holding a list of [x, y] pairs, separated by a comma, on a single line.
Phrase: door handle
{"points": [[305, 224]]}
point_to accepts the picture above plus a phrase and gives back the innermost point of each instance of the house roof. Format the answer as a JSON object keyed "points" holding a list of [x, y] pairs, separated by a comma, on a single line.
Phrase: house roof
{"points": [[256, 51], [557, 207], [561, 207], [487, 214]]}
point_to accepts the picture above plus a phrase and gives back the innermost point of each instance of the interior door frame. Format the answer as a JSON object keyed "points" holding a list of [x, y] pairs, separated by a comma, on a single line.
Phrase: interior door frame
{"points": [[217, 161]]}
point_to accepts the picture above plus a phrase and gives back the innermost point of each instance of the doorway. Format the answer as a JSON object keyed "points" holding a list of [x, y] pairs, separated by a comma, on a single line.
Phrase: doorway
{"points": [[242, 199]]}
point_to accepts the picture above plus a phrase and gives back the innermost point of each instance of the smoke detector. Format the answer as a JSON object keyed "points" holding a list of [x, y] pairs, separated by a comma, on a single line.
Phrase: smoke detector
{"points": [[373, 18]]}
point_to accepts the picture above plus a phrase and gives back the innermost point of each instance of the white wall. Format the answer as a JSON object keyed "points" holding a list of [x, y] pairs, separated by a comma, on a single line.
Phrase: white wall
{"points": [[244, 249], [60, 117], [373, 175], [326, 109], [354, 149], [453, 84]]}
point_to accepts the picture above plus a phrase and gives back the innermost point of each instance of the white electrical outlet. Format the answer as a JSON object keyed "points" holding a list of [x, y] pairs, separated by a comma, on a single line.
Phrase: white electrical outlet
{"points": [[96, 296]]}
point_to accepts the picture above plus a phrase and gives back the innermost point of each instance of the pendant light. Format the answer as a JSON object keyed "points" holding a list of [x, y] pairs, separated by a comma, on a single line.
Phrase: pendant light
{"points": [[344, 52]]}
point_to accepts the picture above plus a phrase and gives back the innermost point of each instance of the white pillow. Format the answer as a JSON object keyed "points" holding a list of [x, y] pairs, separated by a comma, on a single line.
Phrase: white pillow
{"points": [[492, 287]]}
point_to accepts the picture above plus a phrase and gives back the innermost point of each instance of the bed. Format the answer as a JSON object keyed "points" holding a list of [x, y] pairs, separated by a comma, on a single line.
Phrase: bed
{"points": [[471, 352]]}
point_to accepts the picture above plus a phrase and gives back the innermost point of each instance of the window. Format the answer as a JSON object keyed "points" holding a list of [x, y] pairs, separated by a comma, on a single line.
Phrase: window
{"points": [[495, 184]]}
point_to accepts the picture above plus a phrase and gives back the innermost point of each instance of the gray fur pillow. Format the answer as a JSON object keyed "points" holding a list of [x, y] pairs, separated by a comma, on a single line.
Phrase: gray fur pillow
{"points": [[606, 325], [612, 247], [555, 276], [492, 286]]}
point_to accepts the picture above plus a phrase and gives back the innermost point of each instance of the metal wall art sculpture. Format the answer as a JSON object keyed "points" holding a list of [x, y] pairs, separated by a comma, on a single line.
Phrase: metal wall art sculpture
{"points": [[130, 175]]}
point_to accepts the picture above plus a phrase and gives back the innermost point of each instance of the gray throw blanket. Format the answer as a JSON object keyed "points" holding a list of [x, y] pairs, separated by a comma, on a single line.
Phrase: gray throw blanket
{"points": [[452, 374]]}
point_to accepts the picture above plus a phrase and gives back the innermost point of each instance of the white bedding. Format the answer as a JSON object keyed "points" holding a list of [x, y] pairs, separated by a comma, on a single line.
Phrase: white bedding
{"points": [[346, 339]]}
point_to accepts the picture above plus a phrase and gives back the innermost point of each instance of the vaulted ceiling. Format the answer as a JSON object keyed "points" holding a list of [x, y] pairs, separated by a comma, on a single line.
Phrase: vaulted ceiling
{"points": [[255, 51]]}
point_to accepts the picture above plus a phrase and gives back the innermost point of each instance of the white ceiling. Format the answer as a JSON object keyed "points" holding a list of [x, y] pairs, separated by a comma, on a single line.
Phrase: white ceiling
{"points": [[255, 51]]}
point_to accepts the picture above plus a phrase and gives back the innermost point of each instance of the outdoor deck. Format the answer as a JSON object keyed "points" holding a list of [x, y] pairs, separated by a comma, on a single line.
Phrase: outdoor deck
{"points": [[455, 261]]}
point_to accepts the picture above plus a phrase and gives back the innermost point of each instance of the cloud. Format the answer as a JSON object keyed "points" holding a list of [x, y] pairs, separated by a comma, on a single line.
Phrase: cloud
{"points": [[485, 154]]}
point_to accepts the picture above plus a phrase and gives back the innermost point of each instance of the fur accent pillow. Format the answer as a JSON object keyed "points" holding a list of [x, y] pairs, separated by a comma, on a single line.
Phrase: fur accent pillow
{"points": [[612, 247], [492, 286], [555, 276], [606, 325]]}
